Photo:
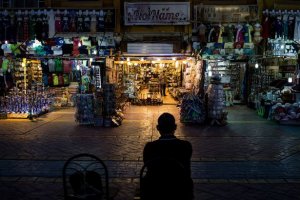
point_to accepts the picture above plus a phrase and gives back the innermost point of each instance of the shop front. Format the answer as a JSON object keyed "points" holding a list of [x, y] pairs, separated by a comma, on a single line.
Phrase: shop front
{"points": [[160, 79], [53, 56], [157, 66], [275, 75], [149, 78], [256, 62]]}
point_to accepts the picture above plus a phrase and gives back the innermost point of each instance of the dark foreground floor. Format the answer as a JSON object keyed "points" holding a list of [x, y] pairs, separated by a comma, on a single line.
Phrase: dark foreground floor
{"points": [[250, 158]]}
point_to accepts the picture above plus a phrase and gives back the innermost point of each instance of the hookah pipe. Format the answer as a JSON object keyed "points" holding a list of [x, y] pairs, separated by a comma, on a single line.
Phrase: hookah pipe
{"points": [[20, 104]]}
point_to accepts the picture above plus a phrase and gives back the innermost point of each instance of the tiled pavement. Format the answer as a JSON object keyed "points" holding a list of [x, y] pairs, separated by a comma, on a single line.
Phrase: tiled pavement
{"points": [[250, 158]]}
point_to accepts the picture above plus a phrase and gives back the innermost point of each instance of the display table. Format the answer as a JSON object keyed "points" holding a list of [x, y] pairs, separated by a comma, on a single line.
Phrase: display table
{"points": [[288, 114], [84, 109]]}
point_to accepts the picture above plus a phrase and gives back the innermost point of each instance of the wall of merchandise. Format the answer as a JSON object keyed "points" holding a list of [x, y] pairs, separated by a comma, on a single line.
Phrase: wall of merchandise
{"points": [[232, 77], [60, 78], [141, 79], [22, 25]]}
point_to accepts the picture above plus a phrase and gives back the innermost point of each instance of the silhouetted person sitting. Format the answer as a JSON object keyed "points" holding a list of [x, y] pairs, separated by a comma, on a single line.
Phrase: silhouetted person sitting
{"points": [[168, 168]]}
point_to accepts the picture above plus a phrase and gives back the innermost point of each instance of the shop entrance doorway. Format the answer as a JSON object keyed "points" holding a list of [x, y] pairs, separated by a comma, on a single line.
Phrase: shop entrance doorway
{"points": [[154, 80]]}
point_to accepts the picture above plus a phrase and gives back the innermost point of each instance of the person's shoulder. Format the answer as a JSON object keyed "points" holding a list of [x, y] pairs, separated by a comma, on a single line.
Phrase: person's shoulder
{"points": [[185, 142], [148, 144]]}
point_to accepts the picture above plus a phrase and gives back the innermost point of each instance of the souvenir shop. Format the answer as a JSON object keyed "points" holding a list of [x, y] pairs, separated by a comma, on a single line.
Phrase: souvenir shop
{"points": [[143, 78], [53, 80], [225, 43], [55, 59], [256, 64], [275, 77]]}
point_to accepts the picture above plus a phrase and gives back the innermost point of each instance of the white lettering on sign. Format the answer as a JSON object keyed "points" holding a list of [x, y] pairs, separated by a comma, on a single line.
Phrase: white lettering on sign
{"points": [[155, 13]]}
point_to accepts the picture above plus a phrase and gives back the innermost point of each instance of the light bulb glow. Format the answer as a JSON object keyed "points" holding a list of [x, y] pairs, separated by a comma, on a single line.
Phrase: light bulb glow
{"points": [[209, 67]]}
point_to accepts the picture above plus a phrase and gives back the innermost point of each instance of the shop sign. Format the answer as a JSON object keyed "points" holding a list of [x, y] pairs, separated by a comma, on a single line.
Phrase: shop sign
{"points": [[226, 13], [157, 13]]}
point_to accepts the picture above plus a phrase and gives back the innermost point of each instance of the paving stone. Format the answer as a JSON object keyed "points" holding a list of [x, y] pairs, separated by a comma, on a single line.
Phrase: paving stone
{"points": [[28, 179], [46, 179], [257, 181], [9, 179], [293, 180], [276, 180]]}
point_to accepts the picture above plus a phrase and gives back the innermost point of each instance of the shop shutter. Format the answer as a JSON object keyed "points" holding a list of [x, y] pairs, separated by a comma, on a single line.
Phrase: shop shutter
{"points": [[149, 48]]}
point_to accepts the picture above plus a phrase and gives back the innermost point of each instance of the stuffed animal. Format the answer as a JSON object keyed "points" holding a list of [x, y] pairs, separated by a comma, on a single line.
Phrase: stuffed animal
{"points": [[297, 110], [291, 111], [279, 112]]}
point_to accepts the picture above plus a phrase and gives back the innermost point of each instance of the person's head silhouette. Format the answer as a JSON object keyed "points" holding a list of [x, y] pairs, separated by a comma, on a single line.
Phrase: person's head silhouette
{"points": [[166, 124]]}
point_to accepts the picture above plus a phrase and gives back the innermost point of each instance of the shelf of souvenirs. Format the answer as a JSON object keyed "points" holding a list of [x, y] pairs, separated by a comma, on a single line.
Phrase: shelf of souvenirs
{"points": [[286, 113], [22, 104], [282, 107], [281, 47], [79, 57]]}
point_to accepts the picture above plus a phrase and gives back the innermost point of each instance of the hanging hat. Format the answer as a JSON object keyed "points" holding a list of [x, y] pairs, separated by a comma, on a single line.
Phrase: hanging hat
{"points": [[59, 41]]}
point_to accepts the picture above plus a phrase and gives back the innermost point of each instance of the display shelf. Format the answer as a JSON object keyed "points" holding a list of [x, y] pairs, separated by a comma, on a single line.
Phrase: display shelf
{"points": [[109, 99], [232, 75], [27, 103], [84, 109], [192, 109], [17, 115]]}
